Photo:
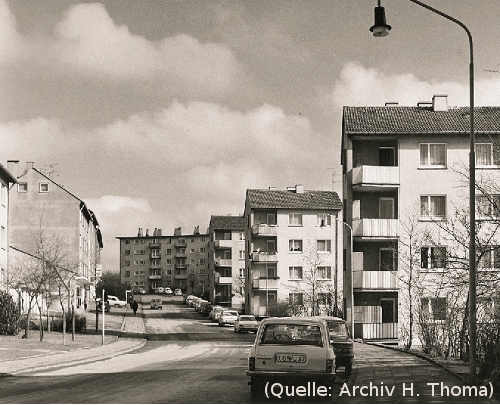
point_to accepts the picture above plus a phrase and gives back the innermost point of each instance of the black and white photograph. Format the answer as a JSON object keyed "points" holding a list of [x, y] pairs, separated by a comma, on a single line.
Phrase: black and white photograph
{"points": [[249, 201]]}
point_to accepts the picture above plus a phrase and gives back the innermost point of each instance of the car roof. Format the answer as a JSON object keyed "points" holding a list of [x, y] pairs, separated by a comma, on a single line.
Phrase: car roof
{"points": [[330, 318], [293, 319]]}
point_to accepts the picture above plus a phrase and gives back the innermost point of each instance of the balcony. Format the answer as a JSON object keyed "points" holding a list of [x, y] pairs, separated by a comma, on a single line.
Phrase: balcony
{"points": [[375, 331], [265, 230], [223, 262], [223, 280], [155, 266], [375, 280], [180, 254], [223, 243], [263, 257], [375, 228], [180, 265], [155, 245], [180, 276], [265, 283], [180, 243], [155, 277], [370, 178]]}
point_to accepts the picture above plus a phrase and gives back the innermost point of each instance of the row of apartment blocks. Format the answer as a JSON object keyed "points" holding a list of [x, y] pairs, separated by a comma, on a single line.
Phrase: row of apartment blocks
{"points": [[252, 260], [37, 210]]}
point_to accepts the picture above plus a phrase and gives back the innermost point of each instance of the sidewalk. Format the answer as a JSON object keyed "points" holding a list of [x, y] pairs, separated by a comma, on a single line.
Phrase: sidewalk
{"points": [[43, 357]]}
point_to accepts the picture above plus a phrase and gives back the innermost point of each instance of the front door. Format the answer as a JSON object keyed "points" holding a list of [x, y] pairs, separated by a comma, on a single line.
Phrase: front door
{"points": [[386, 156], [388, 310]]}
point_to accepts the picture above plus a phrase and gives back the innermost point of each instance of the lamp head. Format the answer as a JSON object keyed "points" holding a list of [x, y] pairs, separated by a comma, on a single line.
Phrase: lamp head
{"points": [[380, 28]]}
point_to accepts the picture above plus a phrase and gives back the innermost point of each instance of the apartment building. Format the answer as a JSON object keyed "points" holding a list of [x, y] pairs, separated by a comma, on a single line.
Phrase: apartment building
{"points": [[148, 262], [227, 260], [406, 199], [6, 181], [291, 251], [40, 205]]}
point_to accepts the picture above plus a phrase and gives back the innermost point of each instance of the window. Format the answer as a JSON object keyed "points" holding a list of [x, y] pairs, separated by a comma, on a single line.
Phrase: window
{"points": [[386, 259], [433, 154], [324, 220], [433, 309], [3, 238], [168, 272], [127, 273], [191, 250], [127, 242], [242, 272], [202, 261], [433, 257], [324, 272], [294, 219], [488, 206], [432, 206], [271, 272], [242, 255], [485, 155], [295, 298], [169, 251], [168, 261], [295, 245], [43, 187], [22, 187], [155, 252], [127, 253], [271, 219], [295, 273], [242, 236], [324, 246], [202, 250], [490, 258], [202, 272], [127, 263], [324, 299]]}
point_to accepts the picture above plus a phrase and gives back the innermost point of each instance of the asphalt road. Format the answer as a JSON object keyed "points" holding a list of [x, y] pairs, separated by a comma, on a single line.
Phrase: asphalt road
{"points": [[190, 360]]}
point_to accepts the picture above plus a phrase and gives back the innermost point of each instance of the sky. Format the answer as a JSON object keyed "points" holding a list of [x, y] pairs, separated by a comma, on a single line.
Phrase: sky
{"points": [[161, 113]]}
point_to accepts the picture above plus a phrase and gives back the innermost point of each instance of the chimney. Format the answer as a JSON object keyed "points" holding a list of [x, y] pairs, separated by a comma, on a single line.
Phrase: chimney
{"points": [[29, 165], [13, 167], [158, 232], [147, 232], [272, 189], [440, 102], [299, 189], [391, 104], [139, 233], [178, 231], [196, 230]]}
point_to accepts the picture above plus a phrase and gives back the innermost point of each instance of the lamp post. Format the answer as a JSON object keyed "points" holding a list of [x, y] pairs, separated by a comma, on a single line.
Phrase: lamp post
{"points": [[379, 29]]}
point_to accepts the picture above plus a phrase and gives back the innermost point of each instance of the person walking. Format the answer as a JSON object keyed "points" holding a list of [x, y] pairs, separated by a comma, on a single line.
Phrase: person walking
{"points": [[134, 306]]}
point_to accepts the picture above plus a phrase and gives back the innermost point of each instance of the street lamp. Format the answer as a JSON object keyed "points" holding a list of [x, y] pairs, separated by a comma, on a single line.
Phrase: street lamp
{"points": [[382, 29], [350, 308]]}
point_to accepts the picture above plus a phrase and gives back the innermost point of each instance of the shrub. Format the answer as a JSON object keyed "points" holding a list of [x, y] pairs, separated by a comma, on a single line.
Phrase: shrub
{"points": [[9, 315]]}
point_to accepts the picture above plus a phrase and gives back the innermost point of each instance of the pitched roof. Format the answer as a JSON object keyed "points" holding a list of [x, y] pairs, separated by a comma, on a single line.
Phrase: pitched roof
{"points": [[323, 200], [227, 222], [423, 120]]}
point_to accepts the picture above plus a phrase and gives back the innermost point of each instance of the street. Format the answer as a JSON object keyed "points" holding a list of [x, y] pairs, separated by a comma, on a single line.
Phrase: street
{"points": [[188, 359]]}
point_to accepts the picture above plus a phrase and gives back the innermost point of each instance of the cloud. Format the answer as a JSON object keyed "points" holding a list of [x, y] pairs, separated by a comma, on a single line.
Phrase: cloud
{"points": [[10, 38], [90, 42], [114, 203], [360, 86]]}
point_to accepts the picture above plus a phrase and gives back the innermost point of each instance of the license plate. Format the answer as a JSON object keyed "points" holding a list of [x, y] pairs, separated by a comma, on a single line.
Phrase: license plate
{"points": [[291, 358]]}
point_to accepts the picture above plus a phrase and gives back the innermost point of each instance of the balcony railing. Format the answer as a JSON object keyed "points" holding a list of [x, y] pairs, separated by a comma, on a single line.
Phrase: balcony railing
{"points": [[372, 331], [180, 254], [265, 230], [180, 276], [224, 280], [264, 257], [223, 262], [376, 227], [180, 265], [155, 266], [180, 243], [223, 243], [155, 256], [155, 245], [376, 280], [375, 175], [265, 283], [155, 276]]}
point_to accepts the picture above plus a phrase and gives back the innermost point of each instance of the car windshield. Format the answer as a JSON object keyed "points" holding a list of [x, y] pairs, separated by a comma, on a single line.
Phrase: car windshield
{"points": [[247, 318], [230, 313], [337, 328], [292, 334]]}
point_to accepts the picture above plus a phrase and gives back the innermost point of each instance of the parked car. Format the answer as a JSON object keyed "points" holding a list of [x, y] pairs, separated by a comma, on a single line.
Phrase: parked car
{"points": [[98, 305], [142, 291], [156, 303], [205, 311], [177, 291], [341, 341], [216, 313], [228, 316], [246, 323], [168, 290], [116, 302], [291, 348], [160, 290], [199, 304], [189, 300]]}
